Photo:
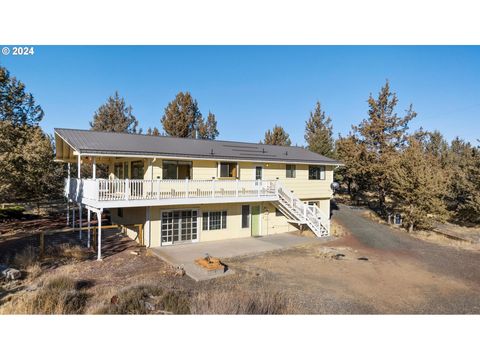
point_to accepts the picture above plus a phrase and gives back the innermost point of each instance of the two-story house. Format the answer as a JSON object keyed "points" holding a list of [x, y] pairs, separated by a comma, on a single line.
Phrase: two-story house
{"points": [[188, 190]]}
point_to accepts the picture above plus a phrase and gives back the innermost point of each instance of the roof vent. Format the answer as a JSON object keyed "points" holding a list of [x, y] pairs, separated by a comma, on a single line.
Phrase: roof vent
{"points": [[263, 150], [286, 153], [211, 152]]}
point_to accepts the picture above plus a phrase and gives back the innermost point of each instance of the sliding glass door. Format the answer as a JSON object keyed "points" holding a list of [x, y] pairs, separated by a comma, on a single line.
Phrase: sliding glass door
{"points": [[179, 226]]}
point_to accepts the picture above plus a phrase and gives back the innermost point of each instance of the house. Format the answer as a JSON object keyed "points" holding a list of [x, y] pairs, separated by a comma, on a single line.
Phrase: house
{"points": [[188, 190]]}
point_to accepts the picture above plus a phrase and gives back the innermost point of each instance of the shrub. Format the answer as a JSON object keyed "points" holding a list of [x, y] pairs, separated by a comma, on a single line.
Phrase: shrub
{"points": [[58, 296], [27, 257], [131, 300], [14, 212], [175, 303]]}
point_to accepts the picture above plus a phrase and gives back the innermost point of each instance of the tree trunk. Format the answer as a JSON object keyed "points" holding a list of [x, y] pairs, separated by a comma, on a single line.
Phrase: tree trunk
{"points": [[410, 227]]}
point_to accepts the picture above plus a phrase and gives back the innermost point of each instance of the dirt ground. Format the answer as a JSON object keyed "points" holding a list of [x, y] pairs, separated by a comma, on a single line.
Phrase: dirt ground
{"points": [[364, 270]]}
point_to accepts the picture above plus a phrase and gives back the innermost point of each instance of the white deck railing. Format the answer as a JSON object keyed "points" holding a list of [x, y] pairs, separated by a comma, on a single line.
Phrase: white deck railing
{"points": [[129, 189]]}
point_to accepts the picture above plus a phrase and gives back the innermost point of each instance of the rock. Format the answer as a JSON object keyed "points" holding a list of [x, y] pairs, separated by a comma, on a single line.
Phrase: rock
{"points": [[134, 253], [114, 300], [339, 256], [3, 267], [179, 271], [12, 274], [149, 306]]}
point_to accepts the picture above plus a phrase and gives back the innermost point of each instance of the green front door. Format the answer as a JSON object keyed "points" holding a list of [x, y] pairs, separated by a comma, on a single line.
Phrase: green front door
{"points": [[256, 220]]}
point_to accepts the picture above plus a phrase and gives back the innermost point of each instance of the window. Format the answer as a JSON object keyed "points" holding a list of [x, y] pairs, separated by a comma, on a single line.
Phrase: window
{"points": [[137, 169], [178, 225], [228, 170], [214, 220], [118, 171], [177, 169], [245, 216], [125, 169], [258, 173], [316, 172], [290, 171], [120, 212]]}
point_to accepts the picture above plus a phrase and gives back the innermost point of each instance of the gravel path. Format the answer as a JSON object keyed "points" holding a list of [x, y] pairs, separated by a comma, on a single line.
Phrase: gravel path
{"points": [[461, 264]]}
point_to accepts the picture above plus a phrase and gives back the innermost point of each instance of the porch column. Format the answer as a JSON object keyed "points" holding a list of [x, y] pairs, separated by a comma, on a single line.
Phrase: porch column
{"points": [[80, 221], [88, 225], [73, 216], [94, 168], [78, 166], [99, 242], [68, 194], [148, 226]]}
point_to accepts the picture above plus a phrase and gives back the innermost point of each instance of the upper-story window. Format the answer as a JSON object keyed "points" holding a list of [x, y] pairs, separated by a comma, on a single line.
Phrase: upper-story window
{"points": [[118, 170], [177, 169], [137, 169], [228, 170], [316, 172], [290, 171]]}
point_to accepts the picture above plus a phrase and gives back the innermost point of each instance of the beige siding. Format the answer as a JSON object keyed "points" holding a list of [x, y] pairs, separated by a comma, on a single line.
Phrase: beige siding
{"points": [[270, 222], [204, 169]]}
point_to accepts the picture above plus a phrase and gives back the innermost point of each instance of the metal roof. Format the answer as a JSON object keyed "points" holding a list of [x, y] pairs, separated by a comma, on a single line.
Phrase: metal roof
{"points": [[115, 143]]}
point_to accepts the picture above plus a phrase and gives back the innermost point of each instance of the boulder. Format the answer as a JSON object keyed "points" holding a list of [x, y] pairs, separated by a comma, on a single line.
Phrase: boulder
{"points": [[12, 274]]}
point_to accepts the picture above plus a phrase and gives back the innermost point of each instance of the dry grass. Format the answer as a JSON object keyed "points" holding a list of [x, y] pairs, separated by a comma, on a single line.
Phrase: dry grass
{"points": [[145, 299], [26, 257], [240, 302], [60, 295]]}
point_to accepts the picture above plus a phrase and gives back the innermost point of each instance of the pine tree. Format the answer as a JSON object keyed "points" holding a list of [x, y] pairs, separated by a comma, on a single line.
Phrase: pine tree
{"points": [[18, 115], [382, 134], [277, 136], [207, 130], [115, 116], [419, 185], [182, 116], [42, 175], [153, 132], [319, 132]]}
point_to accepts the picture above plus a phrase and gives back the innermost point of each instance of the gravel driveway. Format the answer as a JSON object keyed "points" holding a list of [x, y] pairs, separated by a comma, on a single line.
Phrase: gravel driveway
{"points": [[450, 261]]}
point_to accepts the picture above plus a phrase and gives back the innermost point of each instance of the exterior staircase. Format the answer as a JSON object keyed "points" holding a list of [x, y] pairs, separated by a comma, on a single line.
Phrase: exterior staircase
{"points": [[299, 212]]}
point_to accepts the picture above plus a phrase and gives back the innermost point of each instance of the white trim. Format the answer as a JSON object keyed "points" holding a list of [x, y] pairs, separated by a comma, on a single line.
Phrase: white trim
{"points": [[177, 201]]}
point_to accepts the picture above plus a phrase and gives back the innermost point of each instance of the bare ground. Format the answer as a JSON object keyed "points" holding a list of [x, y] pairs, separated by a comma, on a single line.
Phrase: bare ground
{"points": [[397, 274]]}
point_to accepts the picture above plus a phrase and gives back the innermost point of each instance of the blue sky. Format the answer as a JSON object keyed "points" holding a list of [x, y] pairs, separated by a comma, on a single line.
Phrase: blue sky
{"points": [[250, 89]]}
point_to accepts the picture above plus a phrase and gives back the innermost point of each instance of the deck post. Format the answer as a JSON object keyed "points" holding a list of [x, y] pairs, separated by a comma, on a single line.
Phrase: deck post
{"points": [[236, 187], [127, 188], [213, 187], [94, 168], [158, 189], [88, 225], [68, 212], [78, 166], [73, 216], [186, 188], [80, 221], [99, 240]]}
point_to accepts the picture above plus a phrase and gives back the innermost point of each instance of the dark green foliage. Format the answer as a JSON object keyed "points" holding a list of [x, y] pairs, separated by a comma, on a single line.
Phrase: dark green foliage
{"points": [[183, 118], [277, 136], [319, 132], [14, 212], [115, 116]]}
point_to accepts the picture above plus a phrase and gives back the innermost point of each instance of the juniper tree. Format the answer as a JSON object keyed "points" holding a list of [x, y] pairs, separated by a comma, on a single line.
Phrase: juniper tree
{"points": [[182, 116], [382, 135], [277, 136], [319, 132], [207, 130], [115, 116], [18, 115], [153, 132], [419, 185]]}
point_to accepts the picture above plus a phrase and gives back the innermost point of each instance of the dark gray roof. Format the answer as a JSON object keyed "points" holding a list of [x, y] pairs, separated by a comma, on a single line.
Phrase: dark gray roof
{"points": [[99, 142]]}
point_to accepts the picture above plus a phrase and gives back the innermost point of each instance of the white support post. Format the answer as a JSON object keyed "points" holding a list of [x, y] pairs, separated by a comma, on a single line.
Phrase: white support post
{"points": [[236, 187], [94, 168], [73, 216], [80, 221], [213, 187], [186, 188], [78, 166], [68, 212], [259, 187], [127, 188], [88, 225], [158, 189], [304, 211], [99, 242]]}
